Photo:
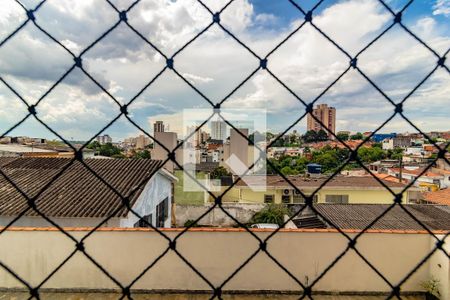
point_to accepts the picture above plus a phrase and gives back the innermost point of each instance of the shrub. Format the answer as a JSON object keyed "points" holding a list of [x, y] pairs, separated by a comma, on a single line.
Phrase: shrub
{"points": [[432, 287], [272, 213]]}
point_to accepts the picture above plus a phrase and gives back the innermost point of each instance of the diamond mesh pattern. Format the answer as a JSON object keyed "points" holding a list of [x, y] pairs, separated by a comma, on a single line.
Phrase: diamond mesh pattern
{"points": [[32, 19]]}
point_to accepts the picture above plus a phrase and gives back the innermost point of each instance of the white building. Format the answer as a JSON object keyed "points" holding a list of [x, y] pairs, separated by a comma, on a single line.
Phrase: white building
{"points": [[396, 142], [104, 139], [218, 130], [79, 199], [426, 180]]}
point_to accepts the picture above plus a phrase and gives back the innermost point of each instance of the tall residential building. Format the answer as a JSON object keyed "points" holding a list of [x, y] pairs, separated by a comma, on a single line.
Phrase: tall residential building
{"points": [[158, 126], [327, 115], [238, 151], [199, 137], [104, 139], [169, 141], [142, 141], [218, 130]]}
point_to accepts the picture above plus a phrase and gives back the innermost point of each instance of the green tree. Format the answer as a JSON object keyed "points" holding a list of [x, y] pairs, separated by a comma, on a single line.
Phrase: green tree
{"points": [[269, 136], [272, 213], [368, 155], [310, 136], [144, 154], [109, 149], [328, 160], [343, 136], [93, 145], [322, 135], [396, 153], [357, 136], [288, 171], [219, 172]]}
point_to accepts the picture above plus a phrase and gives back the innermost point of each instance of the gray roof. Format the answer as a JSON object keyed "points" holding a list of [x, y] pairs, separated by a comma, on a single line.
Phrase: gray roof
{"points": [[358, 216], [77, 192]]}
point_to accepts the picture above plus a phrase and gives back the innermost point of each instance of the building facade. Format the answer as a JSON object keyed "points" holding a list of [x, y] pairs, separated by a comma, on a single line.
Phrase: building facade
{"points": [[340, 190], [326, 115], [142, 141], [218, 130], [169, 141], [104, 139], [158, 126]]}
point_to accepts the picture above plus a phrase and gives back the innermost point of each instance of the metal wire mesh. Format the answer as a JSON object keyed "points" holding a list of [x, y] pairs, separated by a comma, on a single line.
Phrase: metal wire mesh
{"points": [[32, 18]]}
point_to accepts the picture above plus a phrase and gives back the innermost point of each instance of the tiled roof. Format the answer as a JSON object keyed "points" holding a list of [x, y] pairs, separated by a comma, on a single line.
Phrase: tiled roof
{"points": [[438, 197], [77, 192], [353, 144], [388, 177], [416, 172], [441, 171], [299, 181], [358, 216]]}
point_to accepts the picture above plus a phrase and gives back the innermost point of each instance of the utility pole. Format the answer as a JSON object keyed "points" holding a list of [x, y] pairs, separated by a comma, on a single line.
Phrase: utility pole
{"points": [[400, 175]]}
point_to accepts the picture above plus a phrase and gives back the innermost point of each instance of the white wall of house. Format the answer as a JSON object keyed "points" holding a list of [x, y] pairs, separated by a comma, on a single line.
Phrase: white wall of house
{"points": [[388, 144], [155, 192]]}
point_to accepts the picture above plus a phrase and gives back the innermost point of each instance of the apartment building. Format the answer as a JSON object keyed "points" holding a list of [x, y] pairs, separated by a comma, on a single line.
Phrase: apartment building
{"points": [[158, 126], [104, 139], [326, 115], [218, 130]]}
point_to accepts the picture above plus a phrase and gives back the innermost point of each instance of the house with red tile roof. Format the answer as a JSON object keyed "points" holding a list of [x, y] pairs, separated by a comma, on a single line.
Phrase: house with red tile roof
{"points": [[438, 197]]}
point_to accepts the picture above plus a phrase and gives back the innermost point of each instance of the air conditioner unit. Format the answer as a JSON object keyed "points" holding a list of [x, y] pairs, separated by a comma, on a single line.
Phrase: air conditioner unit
{"points": [[296, 192], [286, 192]]}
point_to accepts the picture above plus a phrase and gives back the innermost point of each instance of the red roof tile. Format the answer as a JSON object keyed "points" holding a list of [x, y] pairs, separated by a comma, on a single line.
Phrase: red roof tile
{"points": [[438, 197]]}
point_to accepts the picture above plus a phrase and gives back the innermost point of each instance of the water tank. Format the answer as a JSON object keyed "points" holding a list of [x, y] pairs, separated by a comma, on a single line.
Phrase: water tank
{"points": [[314, 168]]}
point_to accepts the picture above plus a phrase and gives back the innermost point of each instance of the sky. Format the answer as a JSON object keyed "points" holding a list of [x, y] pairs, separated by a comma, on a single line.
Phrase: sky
{"points": [[216, 64]]}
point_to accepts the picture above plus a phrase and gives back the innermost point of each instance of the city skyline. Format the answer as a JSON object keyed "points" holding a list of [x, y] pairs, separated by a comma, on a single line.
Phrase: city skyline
{"points": [[78, 109]]}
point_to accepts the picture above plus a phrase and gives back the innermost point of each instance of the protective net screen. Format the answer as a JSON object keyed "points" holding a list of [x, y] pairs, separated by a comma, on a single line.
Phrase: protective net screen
{"points": [[169, 64]]}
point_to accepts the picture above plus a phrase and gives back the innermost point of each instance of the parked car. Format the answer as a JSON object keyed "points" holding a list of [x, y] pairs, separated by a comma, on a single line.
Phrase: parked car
{"points": [[265, 225]]}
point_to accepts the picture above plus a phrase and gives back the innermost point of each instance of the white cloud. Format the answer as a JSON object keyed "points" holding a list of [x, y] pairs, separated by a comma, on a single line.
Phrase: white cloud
{"points": [[197, 79], [215, 63], [265, 18], [441, 7]]}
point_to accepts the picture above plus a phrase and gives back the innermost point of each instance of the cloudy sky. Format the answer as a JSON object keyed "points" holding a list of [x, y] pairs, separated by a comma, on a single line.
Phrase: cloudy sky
{"points": [[216, 64]]}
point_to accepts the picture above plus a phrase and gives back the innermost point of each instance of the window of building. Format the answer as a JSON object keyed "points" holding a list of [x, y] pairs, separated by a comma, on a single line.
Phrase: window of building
{"points": [[162, 212], [268, 198], [141, 223], [340, 199], [297, 198], [286, 199]]}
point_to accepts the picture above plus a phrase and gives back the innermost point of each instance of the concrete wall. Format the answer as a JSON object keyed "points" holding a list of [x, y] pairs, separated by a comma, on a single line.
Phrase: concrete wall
{"points": [[439, 268], [242, 212], [216, 254]]}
